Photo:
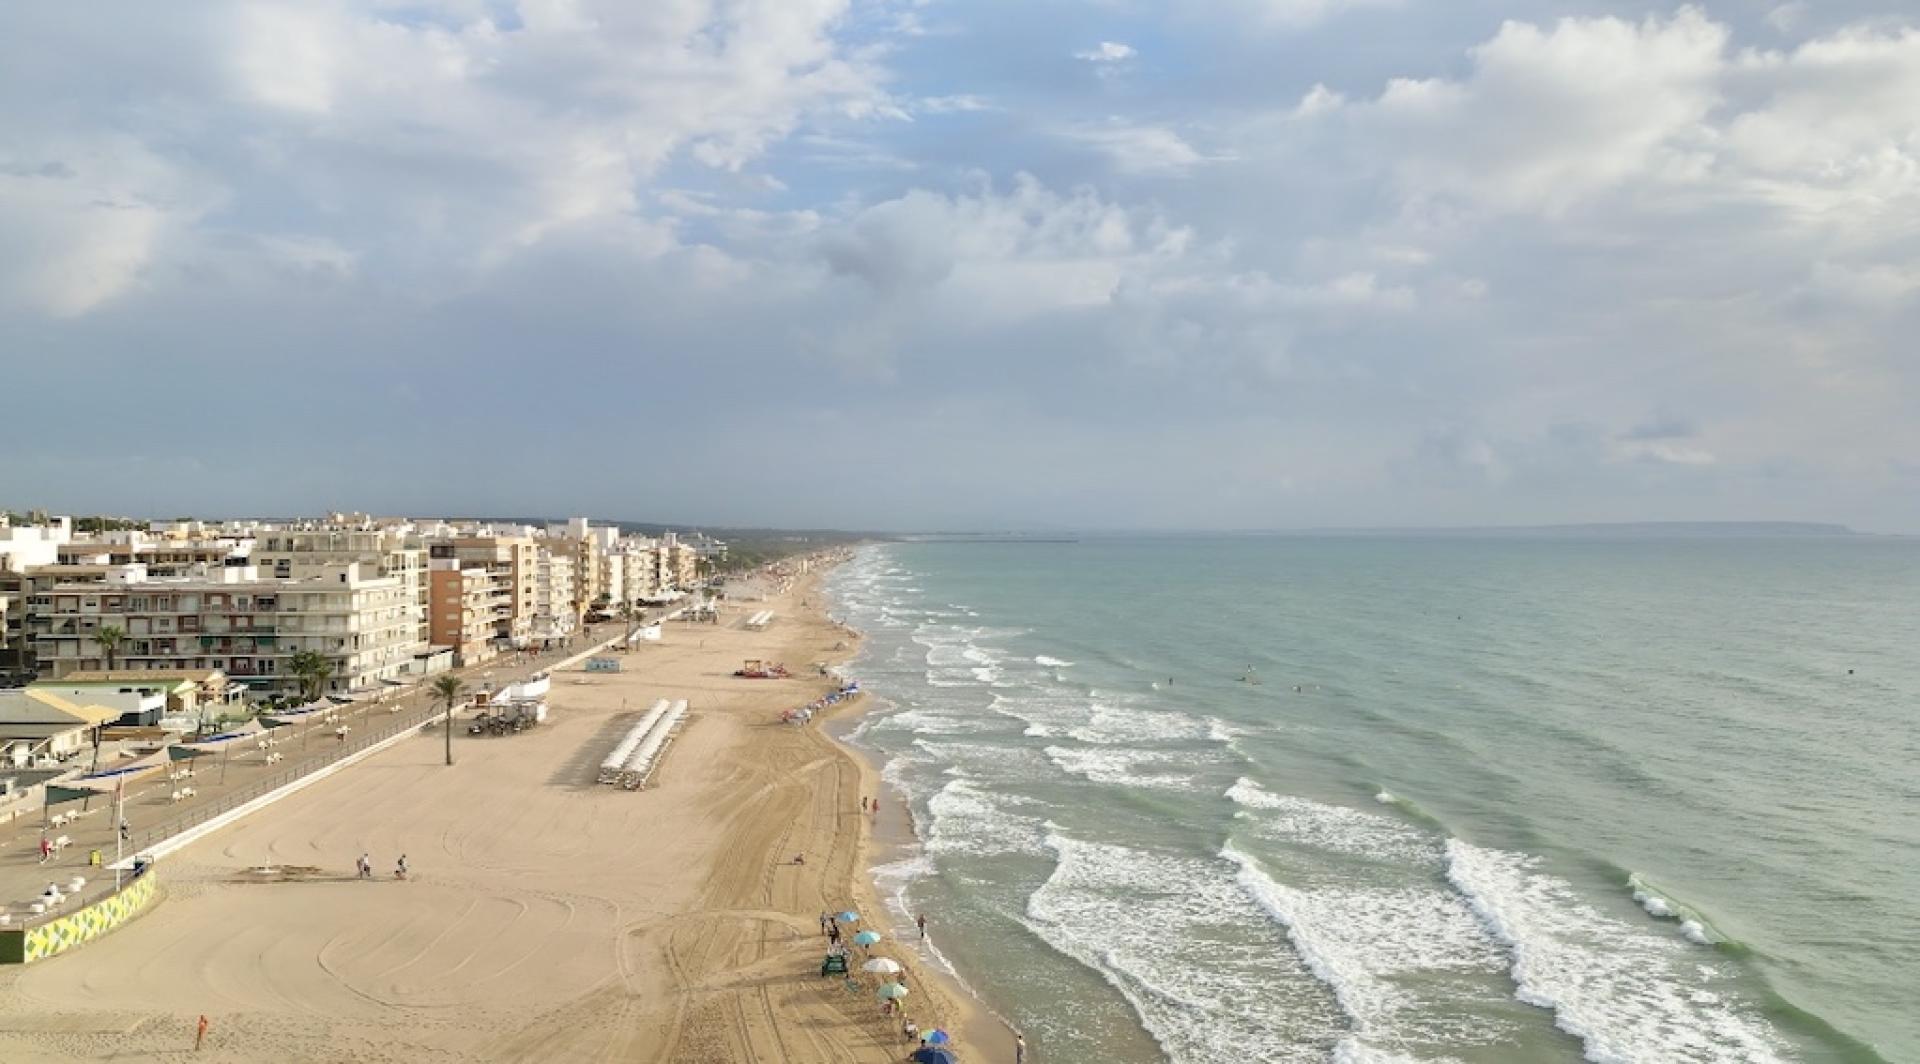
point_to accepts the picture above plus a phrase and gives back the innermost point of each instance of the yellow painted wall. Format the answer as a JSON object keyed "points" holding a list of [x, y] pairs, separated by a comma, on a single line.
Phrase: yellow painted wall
{"points": [[85, 925]]}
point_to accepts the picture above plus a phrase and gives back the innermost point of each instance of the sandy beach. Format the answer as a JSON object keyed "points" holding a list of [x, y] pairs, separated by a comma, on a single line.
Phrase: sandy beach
{"points": [[548, 917]]}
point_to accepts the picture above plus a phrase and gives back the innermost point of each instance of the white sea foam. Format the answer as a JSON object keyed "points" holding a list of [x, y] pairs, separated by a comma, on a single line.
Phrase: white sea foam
{"points": [[1304, 822], [896, 878], [1111, 723], [1118, 765], [1364, 942], [967, 819], [929, 722], [1052, 663], [1692, 925], [1628, 993], [1174, 935]]}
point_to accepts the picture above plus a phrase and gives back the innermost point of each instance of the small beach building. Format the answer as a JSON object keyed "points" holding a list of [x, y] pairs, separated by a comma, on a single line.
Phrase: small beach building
{"points": [[145, 695], [37, 724]]}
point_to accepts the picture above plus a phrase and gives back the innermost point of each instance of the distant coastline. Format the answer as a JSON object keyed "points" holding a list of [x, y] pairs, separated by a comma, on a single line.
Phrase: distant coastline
{"points": [[1623, 530]]}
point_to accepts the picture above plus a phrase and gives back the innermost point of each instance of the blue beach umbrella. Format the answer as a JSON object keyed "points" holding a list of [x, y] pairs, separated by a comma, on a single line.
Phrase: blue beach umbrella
{"points": [[849, 917], [866, 938], [936, 1037], [930, 1055]]}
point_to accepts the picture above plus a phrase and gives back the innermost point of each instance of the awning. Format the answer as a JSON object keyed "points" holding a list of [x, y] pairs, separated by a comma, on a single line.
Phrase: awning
{"points": [[215, 744], [298, 714], [95, 784]]}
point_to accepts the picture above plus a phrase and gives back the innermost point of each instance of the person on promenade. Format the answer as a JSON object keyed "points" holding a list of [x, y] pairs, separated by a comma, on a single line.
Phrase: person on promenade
{"points": [[126, 831], [46, 849]]}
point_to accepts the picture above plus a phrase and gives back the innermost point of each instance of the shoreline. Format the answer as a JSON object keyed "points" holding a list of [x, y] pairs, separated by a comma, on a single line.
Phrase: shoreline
{"points": [[891, 836]]}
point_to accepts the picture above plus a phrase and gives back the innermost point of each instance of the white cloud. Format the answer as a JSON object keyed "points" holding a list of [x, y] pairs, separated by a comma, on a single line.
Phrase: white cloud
{"points": [[1300, 14], [1139, 149], [82, 216], [1550, 117], [1553, 119], [419, 142], [1107, 52], [960, 103]]}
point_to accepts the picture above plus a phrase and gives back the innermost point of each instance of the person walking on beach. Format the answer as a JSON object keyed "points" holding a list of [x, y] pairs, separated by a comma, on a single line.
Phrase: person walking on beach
{"points": [[400, 869], [1019, 1049], [921, 922]]}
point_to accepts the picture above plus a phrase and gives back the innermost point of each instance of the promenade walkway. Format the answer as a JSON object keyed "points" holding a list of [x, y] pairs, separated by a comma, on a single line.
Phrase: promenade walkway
{"points": [[221, 784]]}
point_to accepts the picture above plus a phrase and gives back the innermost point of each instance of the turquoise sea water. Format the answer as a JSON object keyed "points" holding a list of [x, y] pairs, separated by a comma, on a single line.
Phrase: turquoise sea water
{"points": [[1490, 800]]}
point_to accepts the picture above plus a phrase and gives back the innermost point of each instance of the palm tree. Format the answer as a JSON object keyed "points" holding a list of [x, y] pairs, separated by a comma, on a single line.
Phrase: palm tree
{"points": [[314, 670], [448, 690], [109, 637]]}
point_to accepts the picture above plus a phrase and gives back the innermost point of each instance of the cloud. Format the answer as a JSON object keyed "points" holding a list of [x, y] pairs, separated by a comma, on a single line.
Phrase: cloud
{"points": [[1107, 52], [958, 103], [82, 216], [1362, 264], [1661, 427], [1549, 117], [1139, 149], [440, 137], [1300, 14]]}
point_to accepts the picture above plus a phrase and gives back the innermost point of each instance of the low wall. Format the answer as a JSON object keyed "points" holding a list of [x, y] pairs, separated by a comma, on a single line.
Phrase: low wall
{"points": [[24, 945]]}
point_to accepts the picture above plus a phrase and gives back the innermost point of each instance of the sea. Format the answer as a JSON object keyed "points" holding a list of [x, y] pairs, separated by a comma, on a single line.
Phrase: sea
{"points": [[1377, 798]]}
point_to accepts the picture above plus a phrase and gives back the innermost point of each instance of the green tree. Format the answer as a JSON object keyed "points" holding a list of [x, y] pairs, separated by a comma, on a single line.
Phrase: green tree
{"points": [[448, 690], [109, 637], [313, 669]]}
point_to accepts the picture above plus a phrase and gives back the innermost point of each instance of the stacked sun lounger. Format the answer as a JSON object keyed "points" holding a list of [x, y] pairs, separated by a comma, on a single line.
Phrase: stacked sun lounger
{"points": [[761, 619], [641, 762], [611, 768]]}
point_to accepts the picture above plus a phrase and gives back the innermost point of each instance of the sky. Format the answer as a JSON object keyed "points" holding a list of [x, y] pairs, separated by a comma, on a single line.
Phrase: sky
{"points": [[917, 264]]}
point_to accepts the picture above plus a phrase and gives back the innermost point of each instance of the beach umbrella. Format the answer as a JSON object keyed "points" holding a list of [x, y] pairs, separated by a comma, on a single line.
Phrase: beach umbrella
{"points": [[936, 1037], [892, 991], [881, 964], [930, 1055], [866, 938], [849, 917]]}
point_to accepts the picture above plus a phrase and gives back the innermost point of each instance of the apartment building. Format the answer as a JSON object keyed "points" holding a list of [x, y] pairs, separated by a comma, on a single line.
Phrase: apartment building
{"points": [[465, 608], [23, 548], [233, 619], [513, 563], [556, 609], [298, 551]]}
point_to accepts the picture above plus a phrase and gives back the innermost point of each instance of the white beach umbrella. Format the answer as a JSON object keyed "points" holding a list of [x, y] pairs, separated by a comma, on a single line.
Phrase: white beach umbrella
{"points": [[881, 964]]}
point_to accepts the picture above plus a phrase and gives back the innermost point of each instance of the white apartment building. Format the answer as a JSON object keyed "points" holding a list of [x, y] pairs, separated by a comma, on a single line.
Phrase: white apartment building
{"points": [[288, 553], [555, 606], [232, 619]]}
